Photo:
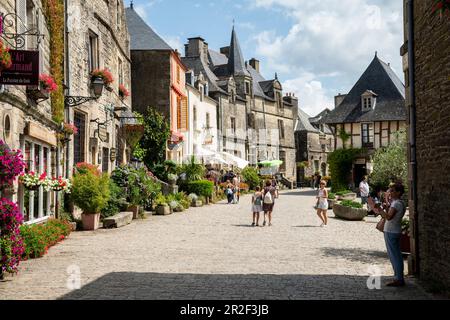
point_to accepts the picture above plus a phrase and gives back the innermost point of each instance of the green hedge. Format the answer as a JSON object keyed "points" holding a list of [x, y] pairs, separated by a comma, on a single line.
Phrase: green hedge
{"points": [[352, 204], [341, 164], [39, 238], [203, 188]]}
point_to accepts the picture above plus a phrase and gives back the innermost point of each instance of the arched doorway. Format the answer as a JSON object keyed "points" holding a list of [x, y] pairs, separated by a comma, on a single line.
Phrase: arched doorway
{"points": [[323, 169]]}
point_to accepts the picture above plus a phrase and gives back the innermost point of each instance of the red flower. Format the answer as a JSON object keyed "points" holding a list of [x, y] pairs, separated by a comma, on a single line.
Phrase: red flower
{"points": [[105, 74], [123, 92], [48, 83]]}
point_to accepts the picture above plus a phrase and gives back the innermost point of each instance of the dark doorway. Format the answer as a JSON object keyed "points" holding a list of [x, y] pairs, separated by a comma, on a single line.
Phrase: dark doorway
{"points": [[359, 171]]}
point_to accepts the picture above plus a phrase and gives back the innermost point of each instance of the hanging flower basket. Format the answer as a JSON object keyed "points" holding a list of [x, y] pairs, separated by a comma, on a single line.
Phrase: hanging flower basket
{"points": [[33, 181], [103, 74], [61, 184], [5, 57], [123, 92], [133, 134]]}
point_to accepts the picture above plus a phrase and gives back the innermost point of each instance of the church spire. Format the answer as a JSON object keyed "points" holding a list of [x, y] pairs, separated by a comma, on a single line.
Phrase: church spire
{"points": [[236, 63]]}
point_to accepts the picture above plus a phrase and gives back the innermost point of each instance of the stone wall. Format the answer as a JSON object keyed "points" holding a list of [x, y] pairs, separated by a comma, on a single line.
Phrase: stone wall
{"points": [[432, 58], [101, 19]]}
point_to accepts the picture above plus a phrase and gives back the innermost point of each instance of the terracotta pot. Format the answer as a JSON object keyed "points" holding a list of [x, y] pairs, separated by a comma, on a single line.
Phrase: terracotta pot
{"points": [[91, 221], [405, 243]]}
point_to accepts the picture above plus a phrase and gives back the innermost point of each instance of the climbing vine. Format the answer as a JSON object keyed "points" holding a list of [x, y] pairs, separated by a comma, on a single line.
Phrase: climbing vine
{"points": [[344, 136], [54, 13], [341, 164]]}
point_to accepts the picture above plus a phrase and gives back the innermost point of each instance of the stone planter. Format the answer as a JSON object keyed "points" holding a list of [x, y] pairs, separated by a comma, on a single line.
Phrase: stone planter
{"points": [[197, 203], [348, 196], [163, 210], [331, 204], [178, 210], [135, 209], [91, 221], [348, 213]]}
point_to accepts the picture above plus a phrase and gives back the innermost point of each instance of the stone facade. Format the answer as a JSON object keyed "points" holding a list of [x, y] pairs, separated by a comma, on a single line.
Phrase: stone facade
{"points": [[98, 38], [27, 124], [429, 212]]}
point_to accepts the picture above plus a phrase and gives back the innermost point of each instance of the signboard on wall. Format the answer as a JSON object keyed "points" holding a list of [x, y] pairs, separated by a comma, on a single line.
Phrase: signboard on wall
{"points": [[24, 70]]}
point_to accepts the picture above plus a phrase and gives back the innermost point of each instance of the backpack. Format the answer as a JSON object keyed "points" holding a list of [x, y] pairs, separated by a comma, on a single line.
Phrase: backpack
{"points": [[258, 201], [268, 198]]}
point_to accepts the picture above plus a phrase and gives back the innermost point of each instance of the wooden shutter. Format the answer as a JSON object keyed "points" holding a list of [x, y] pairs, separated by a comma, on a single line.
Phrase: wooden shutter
{"points": [[184, 114]]}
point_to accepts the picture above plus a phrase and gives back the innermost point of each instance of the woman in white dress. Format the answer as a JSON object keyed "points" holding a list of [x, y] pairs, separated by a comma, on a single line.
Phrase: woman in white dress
{"points": [[322, 203]]}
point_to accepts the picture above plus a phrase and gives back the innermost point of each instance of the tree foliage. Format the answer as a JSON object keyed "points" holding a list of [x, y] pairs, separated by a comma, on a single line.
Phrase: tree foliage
{"points": [[251, 177], [341, 164], [152, 147], [390, 163]]}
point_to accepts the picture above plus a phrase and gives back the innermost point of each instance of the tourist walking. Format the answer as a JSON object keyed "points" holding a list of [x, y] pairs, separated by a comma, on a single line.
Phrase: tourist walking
{"points": [[257, 206], [269, 201], [393, 232], [322, 203], [237, 188], [318, 180], [229, 191], [364, 190]]}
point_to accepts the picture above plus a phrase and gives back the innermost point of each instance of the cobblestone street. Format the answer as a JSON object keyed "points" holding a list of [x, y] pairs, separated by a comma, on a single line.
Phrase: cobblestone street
{"points": [[212, 253]]}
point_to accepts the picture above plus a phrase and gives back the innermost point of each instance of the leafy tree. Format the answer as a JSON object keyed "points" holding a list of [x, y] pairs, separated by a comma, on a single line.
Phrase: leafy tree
{"points": [[251, 177], [390, 163], [152, 147]]}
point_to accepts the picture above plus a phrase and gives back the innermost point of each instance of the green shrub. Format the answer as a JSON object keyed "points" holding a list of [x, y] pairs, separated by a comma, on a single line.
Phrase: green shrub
{"points": [[341, 164], [161, 200], [181, 198], [343, 193], [203, 188], [251, 177], [39, 238], [331, 196], [116, 202], [352, 204], [90, 192]]}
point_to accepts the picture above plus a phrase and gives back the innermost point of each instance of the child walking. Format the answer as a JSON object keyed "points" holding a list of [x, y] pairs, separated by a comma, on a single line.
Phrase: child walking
{"points": [[257, 199]]}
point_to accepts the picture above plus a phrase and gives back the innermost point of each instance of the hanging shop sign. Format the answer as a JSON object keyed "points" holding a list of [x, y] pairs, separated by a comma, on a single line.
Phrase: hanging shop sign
{"points": [[24, 70]]}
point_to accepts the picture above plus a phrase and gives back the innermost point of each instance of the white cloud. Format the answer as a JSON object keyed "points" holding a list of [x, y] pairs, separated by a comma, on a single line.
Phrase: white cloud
{"points": [[175, 42], [330, 38]]}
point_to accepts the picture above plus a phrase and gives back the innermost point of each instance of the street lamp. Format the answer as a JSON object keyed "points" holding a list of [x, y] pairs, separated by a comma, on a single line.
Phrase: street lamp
{"points": [[97, 86]]}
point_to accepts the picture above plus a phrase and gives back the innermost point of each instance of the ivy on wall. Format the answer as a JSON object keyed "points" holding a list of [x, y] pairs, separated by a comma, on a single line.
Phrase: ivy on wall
{"points": [[54, 13], [341, 164]]}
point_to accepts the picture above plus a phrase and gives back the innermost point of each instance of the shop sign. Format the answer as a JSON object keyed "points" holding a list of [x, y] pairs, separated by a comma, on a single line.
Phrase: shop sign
{"points": [[24, 70]]}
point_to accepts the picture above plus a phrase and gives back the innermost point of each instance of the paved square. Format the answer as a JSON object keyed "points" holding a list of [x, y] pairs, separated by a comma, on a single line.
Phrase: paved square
{"points": [[212, 253]]}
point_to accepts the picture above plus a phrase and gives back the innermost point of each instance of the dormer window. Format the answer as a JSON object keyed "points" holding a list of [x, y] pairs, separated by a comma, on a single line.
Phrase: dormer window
{"points": [[368, 100], [190, 78], [247, 87]]}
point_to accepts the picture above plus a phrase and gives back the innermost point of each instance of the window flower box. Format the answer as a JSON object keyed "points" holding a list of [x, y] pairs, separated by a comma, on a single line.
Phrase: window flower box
{"points": [[103, 74], [42, 92], [5, 57], [123, 92]]}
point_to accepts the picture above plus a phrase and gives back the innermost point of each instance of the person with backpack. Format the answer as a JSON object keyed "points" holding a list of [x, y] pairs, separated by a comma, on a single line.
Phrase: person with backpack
{"points": [[269, 201], [229, 191], [257, 208]]}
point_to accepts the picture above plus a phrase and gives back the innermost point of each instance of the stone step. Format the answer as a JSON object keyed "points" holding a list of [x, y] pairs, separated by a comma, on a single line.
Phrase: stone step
{"points": [[119, 220]]}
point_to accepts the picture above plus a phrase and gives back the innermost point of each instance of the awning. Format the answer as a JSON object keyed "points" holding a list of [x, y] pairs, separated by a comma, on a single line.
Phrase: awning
{"points": [[235, 161], [271, 163]]}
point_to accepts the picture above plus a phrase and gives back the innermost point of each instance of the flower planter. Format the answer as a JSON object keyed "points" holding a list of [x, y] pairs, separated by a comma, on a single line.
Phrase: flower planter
{"points": [[197, 203], [405, 243], [178, 210], [348, 196], [163, 210], [348, 213], [91, 221], [135, 209], [38, 94], [331, 203]]}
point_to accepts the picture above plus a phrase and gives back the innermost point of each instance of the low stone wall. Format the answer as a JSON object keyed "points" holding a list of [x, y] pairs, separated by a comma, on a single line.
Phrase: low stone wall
{"points": [[348, 213]]}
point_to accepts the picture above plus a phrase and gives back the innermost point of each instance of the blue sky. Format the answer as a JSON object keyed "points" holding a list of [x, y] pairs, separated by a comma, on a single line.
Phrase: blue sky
{"points": [[318, 48]]}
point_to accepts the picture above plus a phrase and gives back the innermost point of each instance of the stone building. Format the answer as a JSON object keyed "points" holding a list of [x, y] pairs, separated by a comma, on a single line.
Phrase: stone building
{"points": [[97, 38], [426, 64], [369, 114], [314, 141], [26, 121], [255, 121], [201, 140], [158, 79]]}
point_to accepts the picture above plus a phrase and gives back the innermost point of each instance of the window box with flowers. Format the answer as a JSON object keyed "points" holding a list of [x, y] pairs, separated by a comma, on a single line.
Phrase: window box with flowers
{"points": [[104, 74], [123, 92], [5, 57], [42, 92]]}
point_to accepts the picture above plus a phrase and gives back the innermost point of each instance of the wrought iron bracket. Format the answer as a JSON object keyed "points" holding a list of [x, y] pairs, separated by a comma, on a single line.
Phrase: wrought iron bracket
{"points": [[73, 101], [14, 31]]}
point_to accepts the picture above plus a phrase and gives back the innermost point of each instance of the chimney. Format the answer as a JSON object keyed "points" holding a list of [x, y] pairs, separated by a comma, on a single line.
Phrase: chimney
{"points": [[338, 99], [225, 51], [255, 64], [197, 47]]}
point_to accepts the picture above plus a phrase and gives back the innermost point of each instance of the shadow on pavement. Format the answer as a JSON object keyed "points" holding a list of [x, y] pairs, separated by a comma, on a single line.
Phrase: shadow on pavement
{"points": [[306, 227], [306, 192], [164, 286], [359, 255]]}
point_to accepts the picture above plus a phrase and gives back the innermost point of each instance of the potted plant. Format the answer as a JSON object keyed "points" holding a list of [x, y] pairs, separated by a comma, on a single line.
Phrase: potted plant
{"points": [[61, 184], [104, 74], [195, 202], [123, 92], [405, 240], [162, 208], [46, 86], [90, 192], [346, 195], [33, 181], [5, 57], [172, 179], [331, 200]]}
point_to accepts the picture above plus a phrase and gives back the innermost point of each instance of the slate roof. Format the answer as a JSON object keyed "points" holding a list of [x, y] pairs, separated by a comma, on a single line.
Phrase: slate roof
{"points": [[236, 62], [390, 102], [303, 123], [198, 65], [142, 36], [217, 58]]}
